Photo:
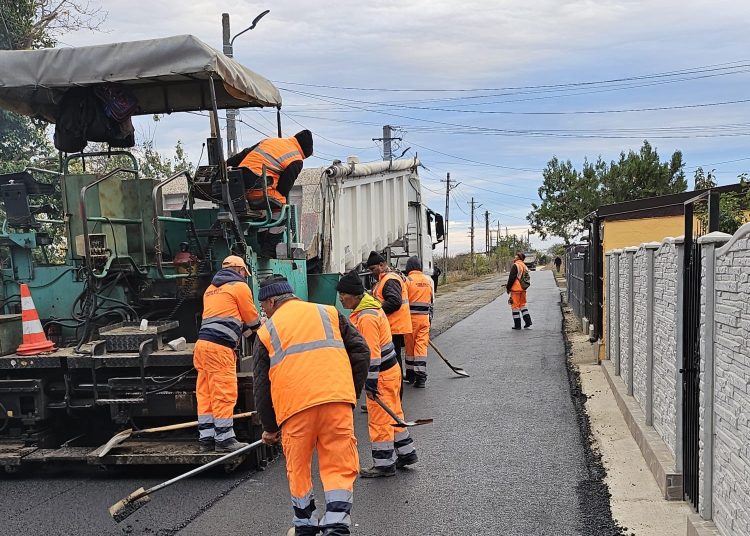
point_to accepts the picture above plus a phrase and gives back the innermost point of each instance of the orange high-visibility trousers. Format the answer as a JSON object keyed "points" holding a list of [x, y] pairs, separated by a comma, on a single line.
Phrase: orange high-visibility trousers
{"points": [[519, 299], [329, 429], [416, 345], [215, 390], [388, 441]]}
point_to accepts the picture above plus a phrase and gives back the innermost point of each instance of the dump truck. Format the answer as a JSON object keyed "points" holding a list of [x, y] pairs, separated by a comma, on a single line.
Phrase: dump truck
{"points": [[100, 252]]}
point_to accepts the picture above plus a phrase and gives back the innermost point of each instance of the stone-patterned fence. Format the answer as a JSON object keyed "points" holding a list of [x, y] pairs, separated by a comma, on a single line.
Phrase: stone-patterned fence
{"points": [[644, 298]]}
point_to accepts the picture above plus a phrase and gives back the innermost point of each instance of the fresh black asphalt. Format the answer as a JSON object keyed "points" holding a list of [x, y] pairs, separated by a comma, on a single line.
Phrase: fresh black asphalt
{"points": [[505, 456]]}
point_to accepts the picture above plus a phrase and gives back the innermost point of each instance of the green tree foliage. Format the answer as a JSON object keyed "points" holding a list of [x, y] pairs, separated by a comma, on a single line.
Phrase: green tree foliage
{"points": [[568, 196], [733, 206]]}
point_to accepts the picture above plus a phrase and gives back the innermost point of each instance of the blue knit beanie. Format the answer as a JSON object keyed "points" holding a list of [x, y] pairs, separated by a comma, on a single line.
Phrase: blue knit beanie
{"points": [[275, 285]]}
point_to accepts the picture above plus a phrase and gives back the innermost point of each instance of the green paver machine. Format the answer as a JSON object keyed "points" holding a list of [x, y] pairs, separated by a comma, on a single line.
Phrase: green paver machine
{"points": [[125, 258]]}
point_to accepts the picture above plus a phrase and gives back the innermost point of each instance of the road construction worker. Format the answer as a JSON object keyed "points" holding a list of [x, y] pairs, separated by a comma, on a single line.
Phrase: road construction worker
{"points": [[310, 365], [390, 291], [282, 158], [517, 292], [228, 314], [421, 298], [391, 447]]}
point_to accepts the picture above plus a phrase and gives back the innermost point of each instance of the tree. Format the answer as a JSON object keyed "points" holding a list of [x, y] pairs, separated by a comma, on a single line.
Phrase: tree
{"points": [[733, 206], [569, 196]]}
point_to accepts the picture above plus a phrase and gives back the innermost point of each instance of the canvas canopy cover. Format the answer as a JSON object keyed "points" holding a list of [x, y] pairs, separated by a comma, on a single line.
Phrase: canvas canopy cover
{"points": [[165, 75]]}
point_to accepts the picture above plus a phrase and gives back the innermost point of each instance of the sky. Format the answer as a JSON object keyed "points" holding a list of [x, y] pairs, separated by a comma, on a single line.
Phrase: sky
{"points": [[488, 91]]}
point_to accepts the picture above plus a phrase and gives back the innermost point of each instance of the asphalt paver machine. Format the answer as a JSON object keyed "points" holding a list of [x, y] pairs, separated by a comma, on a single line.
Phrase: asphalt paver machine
{"points": [[124, 258]]}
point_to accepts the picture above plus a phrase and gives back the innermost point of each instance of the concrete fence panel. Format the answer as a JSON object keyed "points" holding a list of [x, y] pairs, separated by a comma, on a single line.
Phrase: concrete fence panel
{"points": [[640, 335]]}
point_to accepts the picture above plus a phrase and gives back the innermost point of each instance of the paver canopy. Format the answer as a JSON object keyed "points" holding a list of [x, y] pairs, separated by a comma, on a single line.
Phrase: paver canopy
{"points": [[166, 75]]}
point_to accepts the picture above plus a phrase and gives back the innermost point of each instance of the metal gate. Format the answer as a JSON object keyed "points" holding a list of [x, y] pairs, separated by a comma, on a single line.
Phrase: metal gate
{"points": [[708, 203]]}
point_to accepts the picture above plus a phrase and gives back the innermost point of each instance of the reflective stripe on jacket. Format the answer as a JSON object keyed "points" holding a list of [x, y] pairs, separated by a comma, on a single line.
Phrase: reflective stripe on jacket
{"points": [[521, 268], [400, 320], [373, 325], [276, 154], [421, 293], [308, 362], [228, 309]]}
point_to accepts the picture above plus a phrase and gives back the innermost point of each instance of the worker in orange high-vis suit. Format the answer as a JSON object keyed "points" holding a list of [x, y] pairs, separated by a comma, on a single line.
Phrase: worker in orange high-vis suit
{"points": [[421, 298], [391, 447], [517, 293], [390, 291], [228, 314], [282, 158], [310, 365]]}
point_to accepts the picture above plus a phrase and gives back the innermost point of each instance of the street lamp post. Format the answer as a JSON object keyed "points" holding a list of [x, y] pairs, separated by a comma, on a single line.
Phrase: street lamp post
{"points": [[228, 49]]}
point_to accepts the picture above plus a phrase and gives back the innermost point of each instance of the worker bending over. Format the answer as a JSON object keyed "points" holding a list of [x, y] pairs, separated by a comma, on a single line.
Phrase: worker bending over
{"points": [[390, 291], [310, 365], [282, 158], [228, 313], [421, 297], [518, 282], [391, 447]]}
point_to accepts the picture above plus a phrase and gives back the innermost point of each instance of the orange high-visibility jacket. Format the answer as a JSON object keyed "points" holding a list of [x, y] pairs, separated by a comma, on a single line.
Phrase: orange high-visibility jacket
{"points": [[421, 293], [228, 309], [276, 154], [517, 283], [309, 365], [373, 325], [400, 320]]}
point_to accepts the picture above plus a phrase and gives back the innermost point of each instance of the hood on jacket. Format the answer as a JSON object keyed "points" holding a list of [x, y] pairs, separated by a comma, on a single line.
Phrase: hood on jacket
{"points": [[225, 275], [367, 302]]}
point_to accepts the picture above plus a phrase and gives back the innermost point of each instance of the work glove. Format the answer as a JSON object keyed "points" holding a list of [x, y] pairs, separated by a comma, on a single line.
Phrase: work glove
{"points": [[371, 388]]}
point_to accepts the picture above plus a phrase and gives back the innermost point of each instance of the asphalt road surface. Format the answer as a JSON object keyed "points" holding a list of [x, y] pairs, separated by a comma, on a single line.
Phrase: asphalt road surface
{"points": [[504, 456]]}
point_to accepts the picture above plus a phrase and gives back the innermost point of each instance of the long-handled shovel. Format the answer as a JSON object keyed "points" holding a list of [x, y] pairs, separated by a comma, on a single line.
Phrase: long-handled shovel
{"points": [[399, 421], [457, 370], [123, 436], [127, 506]]}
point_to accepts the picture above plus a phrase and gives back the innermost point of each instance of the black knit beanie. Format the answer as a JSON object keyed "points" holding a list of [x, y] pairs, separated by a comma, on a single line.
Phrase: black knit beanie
{"points": [[374, 258], [413, 264], [305, 139], [275, 285], [351, 284]]}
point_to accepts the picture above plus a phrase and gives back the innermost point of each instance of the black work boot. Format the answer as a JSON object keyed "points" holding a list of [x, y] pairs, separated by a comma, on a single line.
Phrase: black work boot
{"points": [[407, 459], [229, 445], [409, 376], [378, 471], [337, 529], [420, 382], [516, 323], [206, 445], [527, 320], [303, 531]]}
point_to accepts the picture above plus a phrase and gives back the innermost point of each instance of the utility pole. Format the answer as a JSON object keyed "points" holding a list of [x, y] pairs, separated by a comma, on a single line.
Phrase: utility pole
{"points": [[473, 207], [228, 49], [497, 244], [448, 188], [487, 233], [386, 139]]}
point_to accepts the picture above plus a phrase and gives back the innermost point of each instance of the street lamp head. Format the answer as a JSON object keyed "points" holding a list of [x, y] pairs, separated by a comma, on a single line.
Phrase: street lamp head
{"points": [[254, 23]]}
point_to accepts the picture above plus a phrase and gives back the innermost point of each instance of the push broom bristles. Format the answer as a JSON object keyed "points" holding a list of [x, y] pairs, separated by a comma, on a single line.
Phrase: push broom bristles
{"points": [[126, 507]]}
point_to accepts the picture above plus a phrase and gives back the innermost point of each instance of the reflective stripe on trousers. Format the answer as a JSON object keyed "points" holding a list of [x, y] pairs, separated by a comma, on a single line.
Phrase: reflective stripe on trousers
{"points": [[303, 510], [338, 507], [206, 427], [383, 453]]}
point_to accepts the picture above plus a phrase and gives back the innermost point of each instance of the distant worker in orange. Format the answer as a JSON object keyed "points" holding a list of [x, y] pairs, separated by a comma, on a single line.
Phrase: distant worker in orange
{"points": [[391, 447], [518, 281], [310, 365], [390, 291], [228, 314], [283, 160], [421, 298]]}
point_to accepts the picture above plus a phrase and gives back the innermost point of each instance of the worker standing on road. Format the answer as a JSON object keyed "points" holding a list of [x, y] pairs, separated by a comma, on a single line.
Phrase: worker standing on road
{"points": [[421, 298], [283, 160], [518, 281], [391, 447], [310, 365], [228, 313], [390, 291]]}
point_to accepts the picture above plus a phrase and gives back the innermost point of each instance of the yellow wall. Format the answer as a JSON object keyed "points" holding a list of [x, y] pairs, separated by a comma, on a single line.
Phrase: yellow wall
{"points": [[625, 233]]}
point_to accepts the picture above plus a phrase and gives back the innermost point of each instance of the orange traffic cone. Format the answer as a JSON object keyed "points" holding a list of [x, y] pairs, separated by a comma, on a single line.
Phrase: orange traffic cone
{"points": [[34, 340]]}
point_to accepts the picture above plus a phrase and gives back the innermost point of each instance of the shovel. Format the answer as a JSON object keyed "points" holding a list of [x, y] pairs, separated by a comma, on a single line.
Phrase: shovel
{"points": [[123, 436], [130, 504], [457, 370], [399, 421]]}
